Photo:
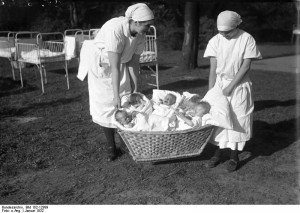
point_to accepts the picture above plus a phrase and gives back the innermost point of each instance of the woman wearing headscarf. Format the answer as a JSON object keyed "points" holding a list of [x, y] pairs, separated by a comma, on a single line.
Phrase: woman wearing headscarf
{"points": [[231, 52], [120, 41]]}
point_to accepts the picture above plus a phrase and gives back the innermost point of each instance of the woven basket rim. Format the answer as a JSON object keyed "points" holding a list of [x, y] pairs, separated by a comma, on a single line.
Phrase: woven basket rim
{"points": [[167, 132]]}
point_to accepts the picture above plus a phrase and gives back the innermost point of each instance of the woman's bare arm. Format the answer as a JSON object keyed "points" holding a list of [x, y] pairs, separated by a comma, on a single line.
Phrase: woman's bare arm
{"points": [[238, 77], [115, 63], [212, 73], [134, 66]]}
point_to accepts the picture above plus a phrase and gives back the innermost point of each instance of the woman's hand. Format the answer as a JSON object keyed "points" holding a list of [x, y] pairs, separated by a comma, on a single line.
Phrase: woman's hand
{"points": [[179, 114], [227, 91], [117, 102]]}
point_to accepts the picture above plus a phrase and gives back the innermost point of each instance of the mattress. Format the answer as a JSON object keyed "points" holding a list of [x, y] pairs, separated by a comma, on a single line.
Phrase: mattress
{"points": [[41, 56], [148, 56], [7, 52]]}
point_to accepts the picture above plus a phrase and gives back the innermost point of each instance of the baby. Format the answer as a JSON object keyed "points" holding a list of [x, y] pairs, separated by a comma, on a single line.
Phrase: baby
{"points": [[193, 117], [124, 118], [168, 100], [139, 121], [136, 100]]}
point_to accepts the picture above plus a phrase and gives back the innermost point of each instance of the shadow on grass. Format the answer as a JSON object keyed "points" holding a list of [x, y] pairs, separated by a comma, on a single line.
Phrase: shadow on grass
{"points": [[10, 87], [73, 70], [270, 138], [4, 112], [160, 67], [264, 104], [180, 86]]}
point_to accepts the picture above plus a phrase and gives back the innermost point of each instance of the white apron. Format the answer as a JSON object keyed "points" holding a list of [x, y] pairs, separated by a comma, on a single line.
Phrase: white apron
{"points": [[230, 55], [114, 36], [242, 116]]}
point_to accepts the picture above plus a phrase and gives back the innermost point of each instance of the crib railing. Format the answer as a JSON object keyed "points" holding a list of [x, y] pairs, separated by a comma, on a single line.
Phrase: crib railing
{"points": [[93, 33], [149, 55], [44, 48]]}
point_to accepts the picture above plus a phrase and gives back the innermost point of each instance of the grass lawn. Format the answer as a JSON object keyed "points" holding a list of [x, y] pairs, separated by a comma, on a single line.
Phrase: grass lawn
{"points": [[52, 153]]}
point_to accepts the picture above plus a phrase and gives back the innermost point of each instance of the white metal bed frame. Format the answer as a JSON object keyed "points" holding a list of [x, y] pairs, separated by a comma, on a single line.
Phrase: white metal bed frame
{"points": [[149, 55], [7, 48], [78, 36], [40, 52]]}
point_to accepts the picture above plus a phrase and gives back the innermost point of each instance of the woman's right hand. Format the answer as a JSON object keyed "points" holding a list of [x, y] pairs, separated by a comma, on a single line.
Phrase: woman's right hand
{"points": [[117, 102]]}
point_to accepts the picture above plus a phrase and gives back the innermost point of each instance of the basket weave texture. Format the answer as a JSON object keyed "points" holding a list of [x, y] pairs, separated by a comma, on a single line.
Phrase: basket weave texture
{"points": [[157, 146]]}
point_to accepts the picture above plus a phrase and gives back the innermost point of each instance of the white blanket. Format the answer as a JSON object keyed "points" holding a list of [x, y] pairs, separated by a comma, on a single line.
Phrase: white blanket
{"points": [[147, 108], [219, 111], [197, 121], [42, 55], [7, 52], [70, 45], [145, 122]]}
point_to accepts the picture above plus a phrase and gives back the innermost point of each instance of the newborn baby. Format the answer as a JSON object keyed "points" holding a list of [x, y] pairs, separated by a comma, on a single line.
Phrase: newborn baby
{"points": [[139, 121], [169, 99], [193, 117], [136, 100]]}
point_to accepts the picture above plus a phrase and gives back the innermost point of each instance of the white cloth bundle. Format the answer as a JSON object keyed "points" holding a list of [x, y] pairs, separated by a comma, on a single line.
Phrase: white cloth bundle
{"points": [[90, 59], [70, 44], [147, 108]]}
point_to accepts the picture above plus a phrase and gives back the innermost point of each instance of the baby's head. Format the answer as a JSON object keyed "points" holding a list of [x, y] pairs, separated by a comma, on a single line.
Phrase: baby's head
{"points": [[169, 99], [135, 99], [123, 117], [201, 108], [193, 101]]}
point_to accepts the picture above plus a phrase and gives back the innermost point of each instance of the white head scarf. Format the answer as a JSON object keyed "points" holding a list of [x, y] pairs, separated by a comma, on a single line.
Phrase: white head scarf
{"points": [[228, 20], [139, 12]]}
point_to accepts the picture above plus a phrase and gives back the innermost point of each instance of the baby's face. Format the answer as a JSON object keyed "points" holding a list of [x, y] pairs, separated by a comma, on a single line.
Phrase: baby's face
{"points": [[124, 118], [169, 100], [135, 101], [200, 111]]}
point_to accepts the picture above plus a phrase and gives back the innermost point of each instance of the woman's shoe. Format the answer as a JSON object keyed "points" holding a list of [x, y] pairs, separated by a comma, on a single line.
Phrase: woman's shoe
{"points": [[111, 153], [213, 162], [232, 165]]}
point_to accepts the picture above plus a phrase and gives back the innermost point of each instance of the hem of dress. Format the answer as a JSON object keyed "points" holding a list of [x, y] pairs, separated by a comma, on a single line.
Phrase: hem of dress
{"points": [[108, 125]]}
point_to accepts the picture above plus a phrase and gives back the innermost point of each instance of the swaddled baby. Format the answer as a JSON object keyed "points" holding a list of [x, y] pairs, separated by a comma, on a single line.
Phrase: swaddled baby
{"points": [[139, 121], [164, 107], [192, 116], [136, 102]]}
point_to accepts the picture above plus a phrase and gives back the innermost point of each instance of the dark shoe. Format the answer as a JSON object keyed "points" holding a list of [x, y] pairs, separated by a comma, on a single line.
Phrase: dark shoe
{"points": [[213, 162], [111, 153], [232, 165]]}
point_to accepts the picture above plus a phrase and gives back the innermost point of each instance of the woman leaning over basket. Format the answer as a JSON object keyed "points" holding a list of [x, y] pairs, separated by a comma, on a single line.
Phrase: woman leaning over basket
{"points": [[231, 52], [121, 41]]}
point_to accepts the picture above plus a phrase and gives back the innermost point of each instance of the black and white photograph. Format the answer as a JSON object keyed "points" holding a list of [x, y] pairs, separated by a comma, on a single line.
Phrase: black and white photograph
{"points": [[106, 105]]}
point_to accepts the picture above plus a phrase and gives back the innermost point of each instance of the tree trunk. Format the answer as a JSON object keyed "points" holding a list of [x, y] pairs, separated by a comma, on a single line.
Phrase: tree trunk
{"points": [[73, 14], [191, 34]]}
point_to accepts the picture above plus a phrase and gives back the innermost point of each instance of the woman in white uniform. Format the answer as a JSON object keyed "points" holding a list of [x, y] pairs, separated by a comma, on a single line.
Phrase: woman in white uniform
{"points": [[121, 41], [231, 52]]}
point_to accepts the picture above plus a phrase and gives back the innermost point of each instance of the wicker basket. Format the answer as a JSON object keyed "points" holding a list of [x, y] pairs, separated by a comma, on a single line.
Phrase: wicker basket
{"points": [[158, 146]]}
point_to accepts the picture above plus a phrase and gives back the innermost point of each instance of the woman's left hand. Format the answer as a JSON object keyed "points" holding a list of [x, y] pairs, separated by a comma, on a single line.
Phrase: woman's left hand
{"points": [[117, 102], [227, 91]]}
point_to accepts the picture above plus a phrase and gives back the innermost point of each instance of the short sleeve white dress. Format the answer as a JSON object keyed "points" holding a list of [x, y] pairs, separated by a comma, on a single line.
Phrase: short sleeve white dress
{"points": [[230, 55], [114, 36]]}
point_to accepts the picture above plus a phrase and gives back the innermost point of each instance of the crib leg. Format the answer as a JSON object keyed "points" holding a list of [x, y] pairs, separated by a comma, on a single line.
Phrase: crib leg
{"points": [[67, 74], [21, 78], [157, 83], [12, 70], [42, 81], [45, 75]]}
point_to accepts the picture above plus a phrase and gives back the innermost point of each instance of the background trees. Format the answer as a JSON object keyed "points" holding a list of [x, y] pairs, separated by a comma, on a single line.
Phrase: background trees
{"points": [[181, 25]]}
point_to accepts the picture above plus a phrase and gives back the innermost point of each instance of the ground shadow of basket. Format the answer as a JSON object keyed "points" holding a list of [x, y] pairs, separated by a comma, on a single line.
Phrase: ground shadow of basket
{"points": [[165, 146]]}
